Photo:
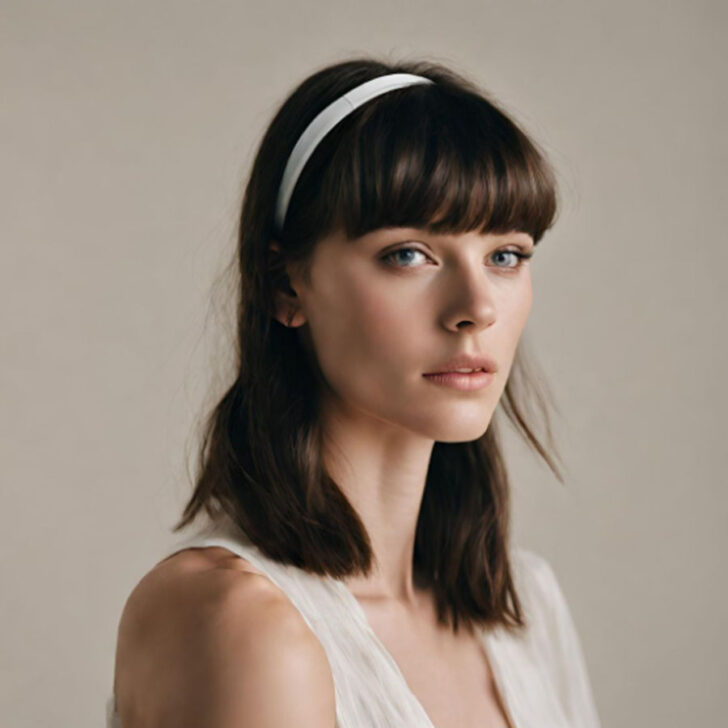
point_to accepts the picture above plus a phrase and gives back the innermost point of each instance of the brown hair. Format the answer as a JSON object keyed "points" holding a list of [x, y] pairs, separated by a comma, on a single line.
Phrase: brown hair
{"points": [[441, 157]]}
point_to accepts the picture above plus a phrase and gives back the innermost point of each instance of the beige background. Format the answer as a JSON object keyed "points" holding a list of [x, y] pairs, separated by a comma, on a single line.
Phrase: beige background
{"points": [[127, 129]]}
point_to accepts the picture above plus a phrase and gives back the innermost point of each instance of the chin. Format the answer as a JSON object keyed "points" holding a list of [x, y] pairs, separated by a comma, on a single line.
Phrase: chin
{"points": [[457, 430], [453, 437]]}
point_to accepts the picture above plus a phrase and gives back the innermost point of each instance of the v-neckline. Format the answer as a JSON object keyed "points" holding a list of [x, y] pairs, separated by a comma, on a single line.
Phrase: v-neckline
{"points": [[485, 642]]}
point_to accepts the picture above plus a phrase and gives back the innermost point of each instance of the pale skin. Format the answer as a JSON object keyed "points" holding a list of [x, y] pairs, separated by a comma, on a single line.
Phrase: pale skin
{"points": [[375, 326]]}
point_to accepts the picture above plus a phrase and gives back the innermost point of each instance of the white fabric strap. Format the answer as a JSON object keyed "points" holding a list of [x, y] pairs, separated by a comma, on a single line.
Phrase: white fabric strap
{"points": [[327, 120]]}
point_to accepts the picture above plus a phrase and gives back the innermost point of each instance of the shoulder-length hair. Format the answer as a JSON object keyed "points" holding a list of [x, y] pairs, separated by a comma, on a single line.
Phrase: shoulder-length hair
{"points": [[441, 157]]}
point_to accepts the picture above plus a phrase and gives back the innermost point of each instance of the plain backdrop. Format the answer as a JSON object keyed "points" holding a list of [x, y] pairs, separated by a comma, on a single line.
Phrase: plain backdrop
{"points": [[127, 130]]}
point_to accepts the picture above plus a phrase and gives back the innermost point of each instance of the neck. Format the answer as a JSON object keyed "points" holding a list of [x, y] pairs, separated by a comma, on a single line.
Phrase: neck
{"points": [[382, 471]]}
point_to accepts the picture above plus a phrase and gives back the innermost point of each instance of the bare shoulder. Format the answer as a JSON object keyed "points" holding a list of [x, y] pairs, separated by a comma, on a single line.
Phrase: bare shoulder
{"points": [[206, 639]]}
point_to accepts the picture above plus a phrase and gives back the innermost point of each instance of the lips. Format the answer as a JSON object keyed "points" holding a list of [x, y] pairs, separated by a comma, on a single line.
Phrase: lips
{"points": [[466, 361], [464, 382]]}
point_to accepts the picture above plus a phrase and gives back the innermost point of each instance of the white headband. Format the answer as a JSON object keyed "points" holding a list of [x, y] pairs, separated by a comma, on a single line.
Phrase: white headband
{"points": [[327, 120]]}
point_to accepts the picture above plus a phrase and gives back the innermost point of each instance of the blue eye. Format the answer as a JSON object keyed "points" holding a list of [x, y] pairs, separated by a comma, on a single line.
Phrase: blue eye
{"points": [[410, 249], [519, 256]]}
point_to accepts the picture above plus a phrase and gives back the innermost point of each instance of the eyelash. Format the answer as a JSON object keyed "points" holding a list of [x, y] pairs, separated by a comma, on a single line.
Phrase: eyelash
{"points": [[522, 257]]}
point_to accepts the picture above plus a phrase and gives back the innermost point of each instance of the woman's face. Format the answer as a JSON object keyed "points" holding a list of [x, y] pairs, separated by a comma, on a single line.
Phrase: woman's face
{"points": [[386, 308]]}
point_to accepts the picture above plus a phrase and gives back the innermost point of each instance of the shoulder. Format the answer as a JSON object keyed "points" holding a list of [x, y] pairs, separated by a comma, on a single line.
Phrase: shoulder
{"points": [[541, 595], [553, 638], [531, 560], [551, 632], [534, 574], [205, 639]]}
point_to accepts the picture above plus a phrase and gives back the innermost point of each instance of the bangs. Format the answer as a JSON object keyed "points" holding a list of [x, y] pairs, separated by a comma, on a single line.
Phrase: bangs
{"points": [[434, 158]]}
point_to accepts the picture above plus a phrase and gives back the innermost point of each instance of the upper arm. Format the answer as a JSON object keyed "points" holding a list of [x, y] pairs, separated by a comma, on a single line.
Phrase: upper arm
{"points": [[222, 649]]}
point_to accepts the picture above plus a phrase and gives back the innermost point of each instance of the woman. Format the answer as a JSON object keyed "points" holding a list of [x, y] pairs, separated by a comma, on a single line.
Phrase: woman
{"points": [[354, 565]]}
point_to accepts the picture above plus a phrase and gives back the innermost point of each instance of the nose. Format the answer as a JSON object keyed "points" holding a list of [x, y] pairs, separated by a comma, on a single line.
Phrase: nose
{"points": [[471, 304]]}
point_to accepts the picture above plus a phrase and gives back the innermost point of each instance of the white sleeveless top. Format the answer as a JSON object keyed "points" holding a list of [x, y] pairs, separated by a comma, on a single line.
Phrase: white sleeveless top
{"points": [[540, 674]]}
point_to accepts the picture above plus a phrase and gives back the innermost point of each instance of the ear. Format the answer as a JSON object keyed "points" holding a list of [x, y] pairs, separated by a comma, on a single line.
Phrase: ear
{"points": [[287, 305]]}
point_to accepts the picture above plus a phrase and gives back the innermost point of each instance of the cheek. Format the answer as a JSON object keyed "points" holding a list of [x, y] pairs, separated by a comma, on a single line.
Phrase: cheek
{"points": [[381, 323], [367, 343], [514, 308], [514, 312], [371, 326]]}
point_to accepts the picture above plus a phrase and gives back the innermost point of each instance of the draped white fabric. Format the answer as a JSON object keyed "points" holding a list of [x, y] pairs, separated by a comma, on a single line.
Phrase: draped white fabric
{"points": [[540, 674]]}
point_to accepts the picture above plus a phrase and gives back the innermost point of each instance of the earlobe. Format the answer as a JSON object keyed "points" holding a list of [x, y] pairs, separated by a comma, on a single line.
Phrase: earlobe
{"points": [[287, 305], [288, 312]]}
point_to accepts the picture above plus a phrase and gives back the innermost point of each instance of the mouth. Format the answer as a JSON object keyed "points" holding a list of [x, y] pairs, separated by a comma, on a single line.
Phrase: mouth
{"points": [[466, 364], [458, 371], [462, 380]]}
